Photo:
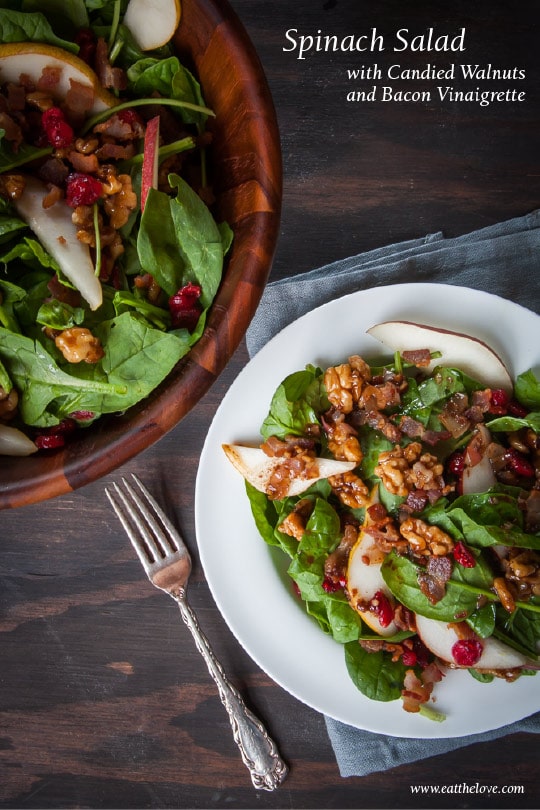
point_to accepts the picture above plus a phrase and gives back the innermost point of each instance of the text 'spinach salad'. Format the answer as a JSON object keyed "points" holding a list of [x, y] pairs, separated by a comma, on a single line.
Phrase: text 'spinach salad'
{"points": [[109, 255], [407, 496]]}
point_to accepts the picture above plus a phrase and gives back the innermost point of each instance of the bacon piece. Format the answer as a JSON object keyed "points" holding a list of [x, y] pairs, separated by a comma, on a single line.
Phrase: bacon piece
{"points": [[421, 358], [79, 99], [50, 76], [109, 76]]}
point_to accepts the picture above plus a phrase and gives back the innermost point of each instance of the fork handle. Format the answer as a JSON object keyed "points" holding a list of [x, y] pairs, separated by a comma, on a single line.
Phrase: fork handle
{"points": [[258, 750]]}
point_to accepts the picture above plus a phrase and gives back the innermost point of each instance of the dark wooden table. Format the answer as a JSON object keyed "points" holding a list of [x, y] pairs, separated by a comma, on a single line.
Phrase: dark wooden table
{"points": [[104, 701]]}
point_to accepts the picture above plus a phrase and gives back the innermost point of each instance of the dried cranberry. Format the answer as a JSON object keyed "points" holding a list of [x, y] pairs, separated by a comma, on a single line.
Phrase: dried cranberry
{"points": [[499, 400], [467, 651], [515, 408], [58, 131], [520, 464], [409, 658], [49, 441], [82, 189], [382, 608], [464, 556], [330, 585], [55, 436], [456, 463], [185, 308], [421, 652]]}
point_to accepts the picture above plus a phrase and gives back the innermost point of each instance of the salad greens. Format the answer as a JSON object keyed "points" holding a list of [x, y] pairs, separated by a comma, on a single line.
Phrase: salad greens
{"points": [[175, 242], [491, 526]]}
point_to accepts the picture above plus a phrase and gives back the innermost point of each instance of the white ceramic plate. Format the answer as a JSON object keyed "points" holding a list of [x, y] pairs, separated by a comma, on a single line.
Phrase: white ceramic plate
{"points": [[248, 579]]}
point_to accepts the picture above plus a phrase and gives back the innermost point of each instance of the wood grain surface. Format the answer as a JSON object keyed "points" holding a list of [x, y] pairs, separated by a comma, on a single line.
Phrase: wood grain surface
{"points": [[104, 701]]}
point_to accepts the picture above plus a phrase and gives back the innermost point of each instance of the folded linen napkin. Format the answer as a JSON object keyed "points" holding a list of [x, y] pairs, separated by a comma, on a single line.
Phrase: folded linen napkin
{"points": [[502, 259]]}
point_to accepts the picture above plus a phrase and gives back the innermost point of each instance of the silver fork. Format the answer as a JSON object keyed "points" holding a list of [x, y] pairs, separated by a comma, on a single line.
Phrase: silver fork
{"points": [[167, 563]]}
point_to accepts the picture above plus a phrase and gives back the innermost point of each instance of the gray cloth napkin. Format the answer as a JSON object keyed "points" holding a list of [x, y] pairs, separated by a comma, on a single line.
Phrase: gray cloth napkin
{"points": [[503, 259]]}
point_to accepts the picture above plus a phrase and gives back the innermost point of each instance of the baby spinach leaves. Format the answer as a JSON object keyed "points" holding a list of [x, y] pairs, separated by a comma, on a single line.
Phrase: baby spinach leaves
{"points": [[179, 241]]}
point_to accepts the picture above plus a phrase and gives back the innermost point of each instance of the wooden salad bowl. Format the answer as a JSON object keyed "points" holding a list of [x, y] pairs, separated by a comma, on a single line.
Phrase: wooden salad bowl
{"points": [[247, 180]]}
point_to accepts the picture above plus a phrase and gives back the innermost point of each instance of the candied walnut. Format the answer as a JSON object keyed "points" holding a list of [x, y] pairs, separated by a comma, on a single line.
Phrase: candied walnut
{"points": [[86, 146], [350, 489], [78, 344], [394, 468], [344, 383], [11, 186], [342, 441], [121, 203], [405, 469], [295, 523], [425, 540]]}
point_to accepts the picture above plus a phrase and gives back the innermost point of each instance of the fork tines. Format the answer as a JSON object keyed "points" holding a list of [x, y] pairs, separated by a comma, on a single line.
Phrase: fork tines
{"points": [[147, 526]]}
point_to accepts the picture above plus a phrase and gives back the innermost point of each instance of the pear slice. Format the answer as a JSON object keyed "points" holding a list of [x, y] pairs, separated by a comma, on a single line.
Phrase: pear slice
{"points": [[58, 235], [13, 442], [152, 22], [31, 58], [364, 578], [457, 350], [257, 468], [439, 637]]}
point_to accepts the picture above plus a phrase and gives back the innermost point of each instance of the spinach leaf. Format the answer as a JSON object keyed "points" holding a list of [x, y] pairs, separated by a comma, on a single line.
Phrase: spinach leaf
{"points": [[459, 601], [137, 358], [72, 10], [522, 627], [295, 404], [179, 242], [9, 224], [323, 530], [40, 381], [31, 252], [59, 315], [527, 389], [171, 80], [507, 424], [374, 673], [11, 295], [264, 515], [17, 26]]}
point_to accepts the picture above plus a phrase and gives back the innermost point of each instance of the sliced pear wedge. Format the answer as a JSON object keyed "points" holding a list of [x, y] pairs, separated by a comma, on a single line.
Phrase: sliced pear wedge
{"points": [[152, 22], [13, 442], [31, 59], [457, 350], [257, 468], [364, 578], [58, 235], [440, 638]]}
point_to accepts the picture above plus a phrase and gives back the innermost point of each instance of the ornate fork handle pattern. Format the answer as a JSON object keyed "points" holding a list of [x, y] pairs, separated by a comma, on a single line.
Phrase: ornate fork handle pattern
{"points": [[258, 750]]}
